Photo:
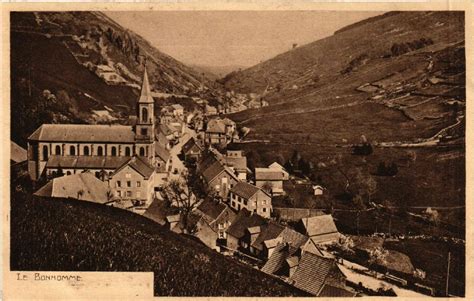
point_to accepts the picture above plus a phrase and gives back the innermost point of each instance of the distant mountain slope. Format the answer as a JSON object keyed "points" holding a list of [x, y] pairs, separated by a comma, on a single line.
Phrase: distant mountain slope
{"points": [[86, 61], [389, 72], [101, 238]]}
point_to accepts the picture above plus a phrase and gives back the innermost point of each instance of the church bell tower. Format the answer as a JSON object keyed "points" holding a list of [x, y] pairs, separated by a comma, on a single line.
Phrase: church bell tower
{"points": [[145, 126]]}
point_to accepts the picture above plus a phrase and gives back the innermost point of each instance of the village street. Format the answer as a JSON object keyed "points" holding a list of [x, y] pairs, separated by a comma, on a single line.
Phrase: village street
{"points": [[176, 163]]}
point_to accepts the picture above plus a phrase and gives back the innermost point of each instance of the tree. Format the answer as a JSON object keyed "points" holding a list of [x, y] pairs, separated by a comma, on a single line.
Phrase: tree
{"points": [[109, 195], [267, 187], [178, 194], [389, 206], [378, 256], [359, 204]]}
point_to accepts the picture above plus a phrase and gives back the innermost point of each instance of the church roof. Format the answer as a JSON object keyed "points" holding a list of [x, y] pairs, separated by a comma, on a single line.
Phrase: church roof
{"points": [[83, 133], [145, 94]]}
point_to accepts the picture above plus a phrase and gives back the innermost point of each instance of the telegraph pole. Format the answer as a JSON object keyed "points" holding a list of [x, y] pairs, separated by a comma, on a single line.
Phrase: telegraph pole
{"points": [[447, 274]]}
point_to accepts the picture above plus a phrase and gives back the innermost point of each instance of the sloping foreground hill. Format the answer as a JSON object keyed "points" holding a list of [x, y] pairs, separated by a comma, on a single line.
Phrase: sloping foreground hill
{"points": [[68, 235], [60, 52]]}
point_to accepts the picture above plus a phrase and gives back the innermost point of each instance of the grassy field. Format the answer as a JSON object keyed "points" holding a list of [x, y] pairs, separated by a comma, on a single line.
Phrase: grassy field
{"points": [[67, 235]]}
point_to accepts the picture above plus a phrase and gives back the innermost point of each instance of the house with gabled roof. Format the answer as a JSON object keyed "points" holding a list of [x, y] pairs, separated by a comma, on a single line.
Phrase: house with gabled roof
{"points": [[271, 178], [17, 153], [217, 215], [192, 150], [252, 198], [216, 132], [219, 178], [238, 229], [321, 229], [134, 182], [82, 186]]}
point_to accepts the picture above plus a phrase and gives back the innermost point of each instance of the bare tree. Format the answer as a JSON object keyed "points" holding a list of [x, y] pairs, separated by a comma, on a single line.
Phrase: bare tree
{"points": [[360, 206], [178, 194], [267, 187]]}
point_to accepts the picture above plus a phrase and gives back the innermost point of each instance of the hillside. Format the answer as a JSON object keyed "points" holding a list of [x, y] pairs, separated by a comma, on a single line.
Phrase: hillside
{"points": [[87, 63], [396, 79], [108, 239]]}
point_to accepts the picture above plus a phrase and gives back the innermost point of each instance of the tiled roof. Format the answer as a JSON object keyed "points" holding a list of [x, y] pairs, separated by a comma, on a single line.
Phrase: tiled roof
{"points": [[177, 106], [333, 291], [162, 152], [140, 165], [311, 273], [239, 163], [211, 209], [166, 130], [268, 231], [319, 225], [83, 162], [292, 237], [244, 221], [268, 174], [93, 189], [244, 190], [280, 254], [190, 144], [84, 133], [212, 171], [17, 153], [215, 126]]}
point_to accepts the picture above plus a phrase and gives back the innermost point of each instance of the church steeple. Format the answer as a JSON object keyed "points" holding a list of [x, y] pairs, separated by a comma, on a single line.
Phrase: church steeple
{"points": [[145, 94], [145, 126]]}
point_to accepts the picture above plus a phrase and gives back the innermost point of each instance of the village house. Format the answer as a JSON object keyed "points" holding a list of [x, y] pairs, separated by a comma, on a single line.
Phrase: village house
{"points": [[219, 178], [162, 157], [271, 179], [191, 150], [309, 270], [17, 153], [74, 141], [252, 198], [238, 163], [321, 229], [216, 133], [82, 186], [237, 230], [178, 110], [277, 166], [218, 216], [210, 110], [134, 182]]}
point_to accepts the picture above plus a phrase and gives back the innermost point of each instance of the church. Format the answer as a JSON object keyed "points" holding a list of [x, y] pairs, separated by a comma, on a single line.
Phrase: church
{"points": [[65, 149]]}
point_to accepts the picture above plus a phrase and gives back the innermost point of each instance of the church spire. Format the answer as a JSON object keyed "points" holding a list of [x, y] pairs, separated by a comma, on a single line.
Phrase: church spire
{"points": [[145, 94]]}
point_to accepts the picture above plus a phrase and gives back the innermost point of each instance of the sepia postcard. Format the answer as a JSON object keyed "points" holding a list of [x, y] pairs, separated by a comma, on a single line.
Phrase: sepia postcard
{"points": [[235, 149]]}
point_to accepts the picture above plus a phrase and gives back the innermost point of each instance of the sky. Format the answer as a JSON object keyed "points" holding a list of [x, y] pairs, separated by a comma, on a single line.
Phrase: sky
{"points": [[233, 38]]}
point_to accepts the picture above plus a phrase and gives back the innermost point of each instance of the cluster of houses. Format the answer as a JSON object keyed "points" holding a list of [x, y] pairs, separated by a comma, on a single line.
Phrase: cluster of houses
{"points": [[127, 165]]}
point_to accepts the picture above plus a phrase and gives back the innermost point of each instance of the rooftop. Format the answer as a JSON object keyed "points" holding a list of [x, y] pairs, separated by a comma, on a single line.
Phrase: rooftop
{"points": [[83, 133], [90, 162], [17, 153], [244, 190], [319, 225], [262, 174], [83, 186], [244, 221]]}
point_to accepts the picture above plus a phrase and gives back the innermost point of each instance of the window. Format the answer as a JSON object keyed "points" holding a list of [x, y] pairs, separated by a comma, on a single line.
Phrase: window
{"points": [[264, 209], [139, 184], [129, 194], [45, 152], [72, 150], [238, 206], [119, 184], [245, 202], [58, 150], [86, 150], [114, 151], [233, 204], [119, 193], [68, 173], [264, 202], [144, 115], [127, 152], [100, 151], [129, 183], [142, 151], [220, 226], [128, 175], [143, 131]]}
